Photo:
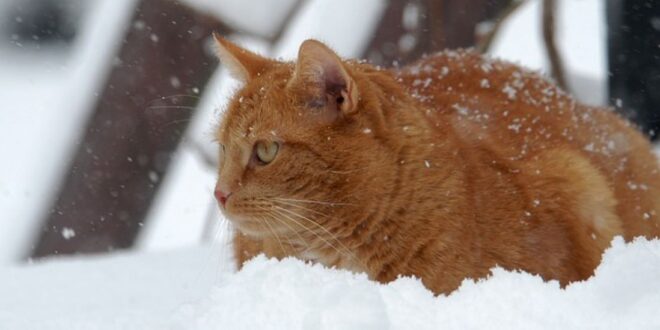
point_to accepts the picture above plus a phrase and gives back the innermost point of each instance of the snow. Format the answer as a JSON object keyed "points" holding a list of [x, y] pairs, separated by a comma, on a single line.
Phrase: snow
{"points": [[110, 292], [196, 288]]}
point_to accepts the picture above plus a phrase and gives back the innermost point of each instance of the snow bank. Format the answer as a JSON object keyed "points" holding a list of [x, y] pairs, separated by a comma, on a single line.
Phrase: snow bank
{"points": [[188, 290], [132, 291], [625, 293]]}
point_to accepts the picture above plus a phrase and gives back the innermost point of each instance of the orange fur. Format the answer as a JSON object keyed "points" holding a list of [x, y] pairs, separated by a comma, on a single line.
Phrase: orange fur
{"points": [[442, 170]]}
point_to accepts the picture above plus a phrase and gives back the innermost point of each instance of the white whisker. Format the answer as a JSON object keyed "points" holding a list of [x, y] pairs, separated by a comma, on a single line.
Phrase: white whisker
{"points": [[292, 204], [272, 230], [346, 249], [272, 214], [310, 201], [277, 211]]}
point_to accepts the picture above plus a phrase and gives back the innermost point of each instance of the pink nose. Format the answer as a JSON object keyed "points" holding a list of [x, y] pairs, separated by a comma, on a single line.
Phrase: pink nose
{"points": [[221, 196]]}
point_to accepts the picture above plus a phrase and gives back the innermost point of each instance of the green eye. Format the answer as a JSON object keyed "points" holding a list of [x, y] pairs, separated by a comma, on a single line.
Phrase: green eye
{"points": [[266, 151]]}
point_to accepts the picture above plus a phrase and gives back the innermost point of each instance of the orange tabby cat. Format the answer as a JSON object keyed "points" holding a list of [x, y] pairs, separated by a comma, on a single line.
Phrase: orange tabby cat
{"points": [[442, 169]]}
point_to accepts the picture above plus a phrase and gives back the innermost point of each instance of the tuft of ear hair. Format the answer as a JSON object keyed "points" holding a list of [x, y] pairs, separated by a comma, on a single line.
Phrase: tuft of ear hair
{"points": [[243, 64], [320, 70]]}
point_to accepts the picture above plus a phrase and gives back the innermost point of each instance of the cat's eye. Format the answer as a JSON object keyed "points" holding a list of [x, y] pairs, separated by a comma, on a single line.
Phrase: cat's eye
{"points": [[266, 151]]}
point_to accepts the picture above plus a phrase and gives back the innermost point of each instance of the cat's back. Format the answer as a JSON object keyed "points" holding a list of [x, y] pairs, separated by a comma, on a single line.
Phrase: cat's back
{"points": [[496, 102], [520, 117]]}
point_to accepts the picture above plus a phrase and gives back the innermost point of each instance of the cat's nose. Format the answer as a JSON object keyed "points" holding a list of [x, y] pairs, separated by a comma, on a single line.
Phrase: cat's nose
{"points": [[221, 196]]}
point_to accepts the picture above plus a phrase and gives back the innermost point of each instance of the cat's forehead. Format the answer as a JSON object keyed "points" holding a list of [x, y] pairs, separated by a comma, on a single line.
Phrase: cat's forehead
{"points": [[256, 110]]}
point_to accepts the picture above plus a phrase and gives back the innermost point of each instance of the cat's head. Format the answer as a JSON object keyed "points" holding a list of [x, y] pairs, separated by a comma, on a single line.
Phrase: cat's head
{"points": [[302, 151]]}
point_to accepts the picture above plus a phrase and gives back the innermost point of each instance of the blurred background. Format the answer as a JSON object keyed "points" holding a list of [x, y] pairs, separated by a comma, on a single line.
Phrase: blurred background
{"points": [[108, 106]]}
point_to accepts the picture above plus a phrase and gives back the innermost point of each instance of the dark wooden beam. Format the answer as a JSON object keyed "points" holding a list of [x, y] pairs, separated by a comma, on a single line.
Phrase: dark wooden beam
{"points": [[136, 125]]}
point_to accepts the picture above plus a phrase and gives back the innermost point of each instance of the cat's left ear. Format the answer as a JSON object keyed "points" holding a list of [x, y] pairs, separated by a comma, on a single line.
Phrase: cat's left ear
{"points": [[242, 64], [322, 74]]}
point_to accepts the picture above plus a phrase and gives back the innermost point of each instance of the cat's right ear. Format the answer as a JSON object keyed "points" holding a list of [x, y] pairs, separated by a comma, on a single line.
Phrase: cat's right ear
{"points": [[320, 74], [243, 64]]}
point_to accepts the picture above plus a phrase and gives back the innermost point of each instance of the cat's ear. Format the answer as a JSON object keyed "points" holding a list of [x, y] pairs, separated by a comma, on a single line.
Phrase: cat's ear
{"points": [[242, 64], [320, 71]]}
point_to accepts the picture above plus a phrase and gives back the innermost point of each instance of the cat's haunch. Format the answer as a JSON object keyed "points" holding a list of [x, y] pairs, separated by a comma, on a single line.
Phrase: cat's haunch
{"points": [[442, 169]]}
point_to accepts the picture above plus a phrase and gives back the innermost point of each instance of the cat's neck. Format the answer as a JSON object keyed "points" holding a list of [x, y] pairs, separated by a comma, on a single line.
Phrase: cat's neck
{"points": [[425, 162], [400, 120]]}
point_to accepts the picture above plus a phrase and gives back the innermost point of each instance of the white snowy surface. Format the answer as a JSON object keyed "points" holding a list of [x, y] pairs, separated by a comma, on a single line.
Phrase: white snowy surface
{"points": [[121, 291], [197, 288]]}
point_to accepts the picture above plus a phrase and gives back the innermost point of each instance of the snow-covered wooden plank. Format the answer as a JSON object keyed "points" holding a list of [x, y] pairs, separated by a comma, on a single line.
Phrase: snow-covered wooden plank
{"points": [[137, 123]]}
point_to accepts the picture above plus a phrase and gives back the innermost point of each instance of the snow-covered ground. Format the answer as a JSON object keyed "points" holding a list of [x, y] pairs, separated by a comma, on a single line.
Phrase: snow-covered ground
{"points": [[196, 288]]}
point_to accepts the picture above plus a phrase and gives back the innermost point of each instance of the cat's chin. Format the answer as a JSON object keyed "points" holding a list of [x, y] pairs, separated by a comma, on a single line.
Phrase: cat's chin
{"points": [[252, 233], [249, 227]]}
